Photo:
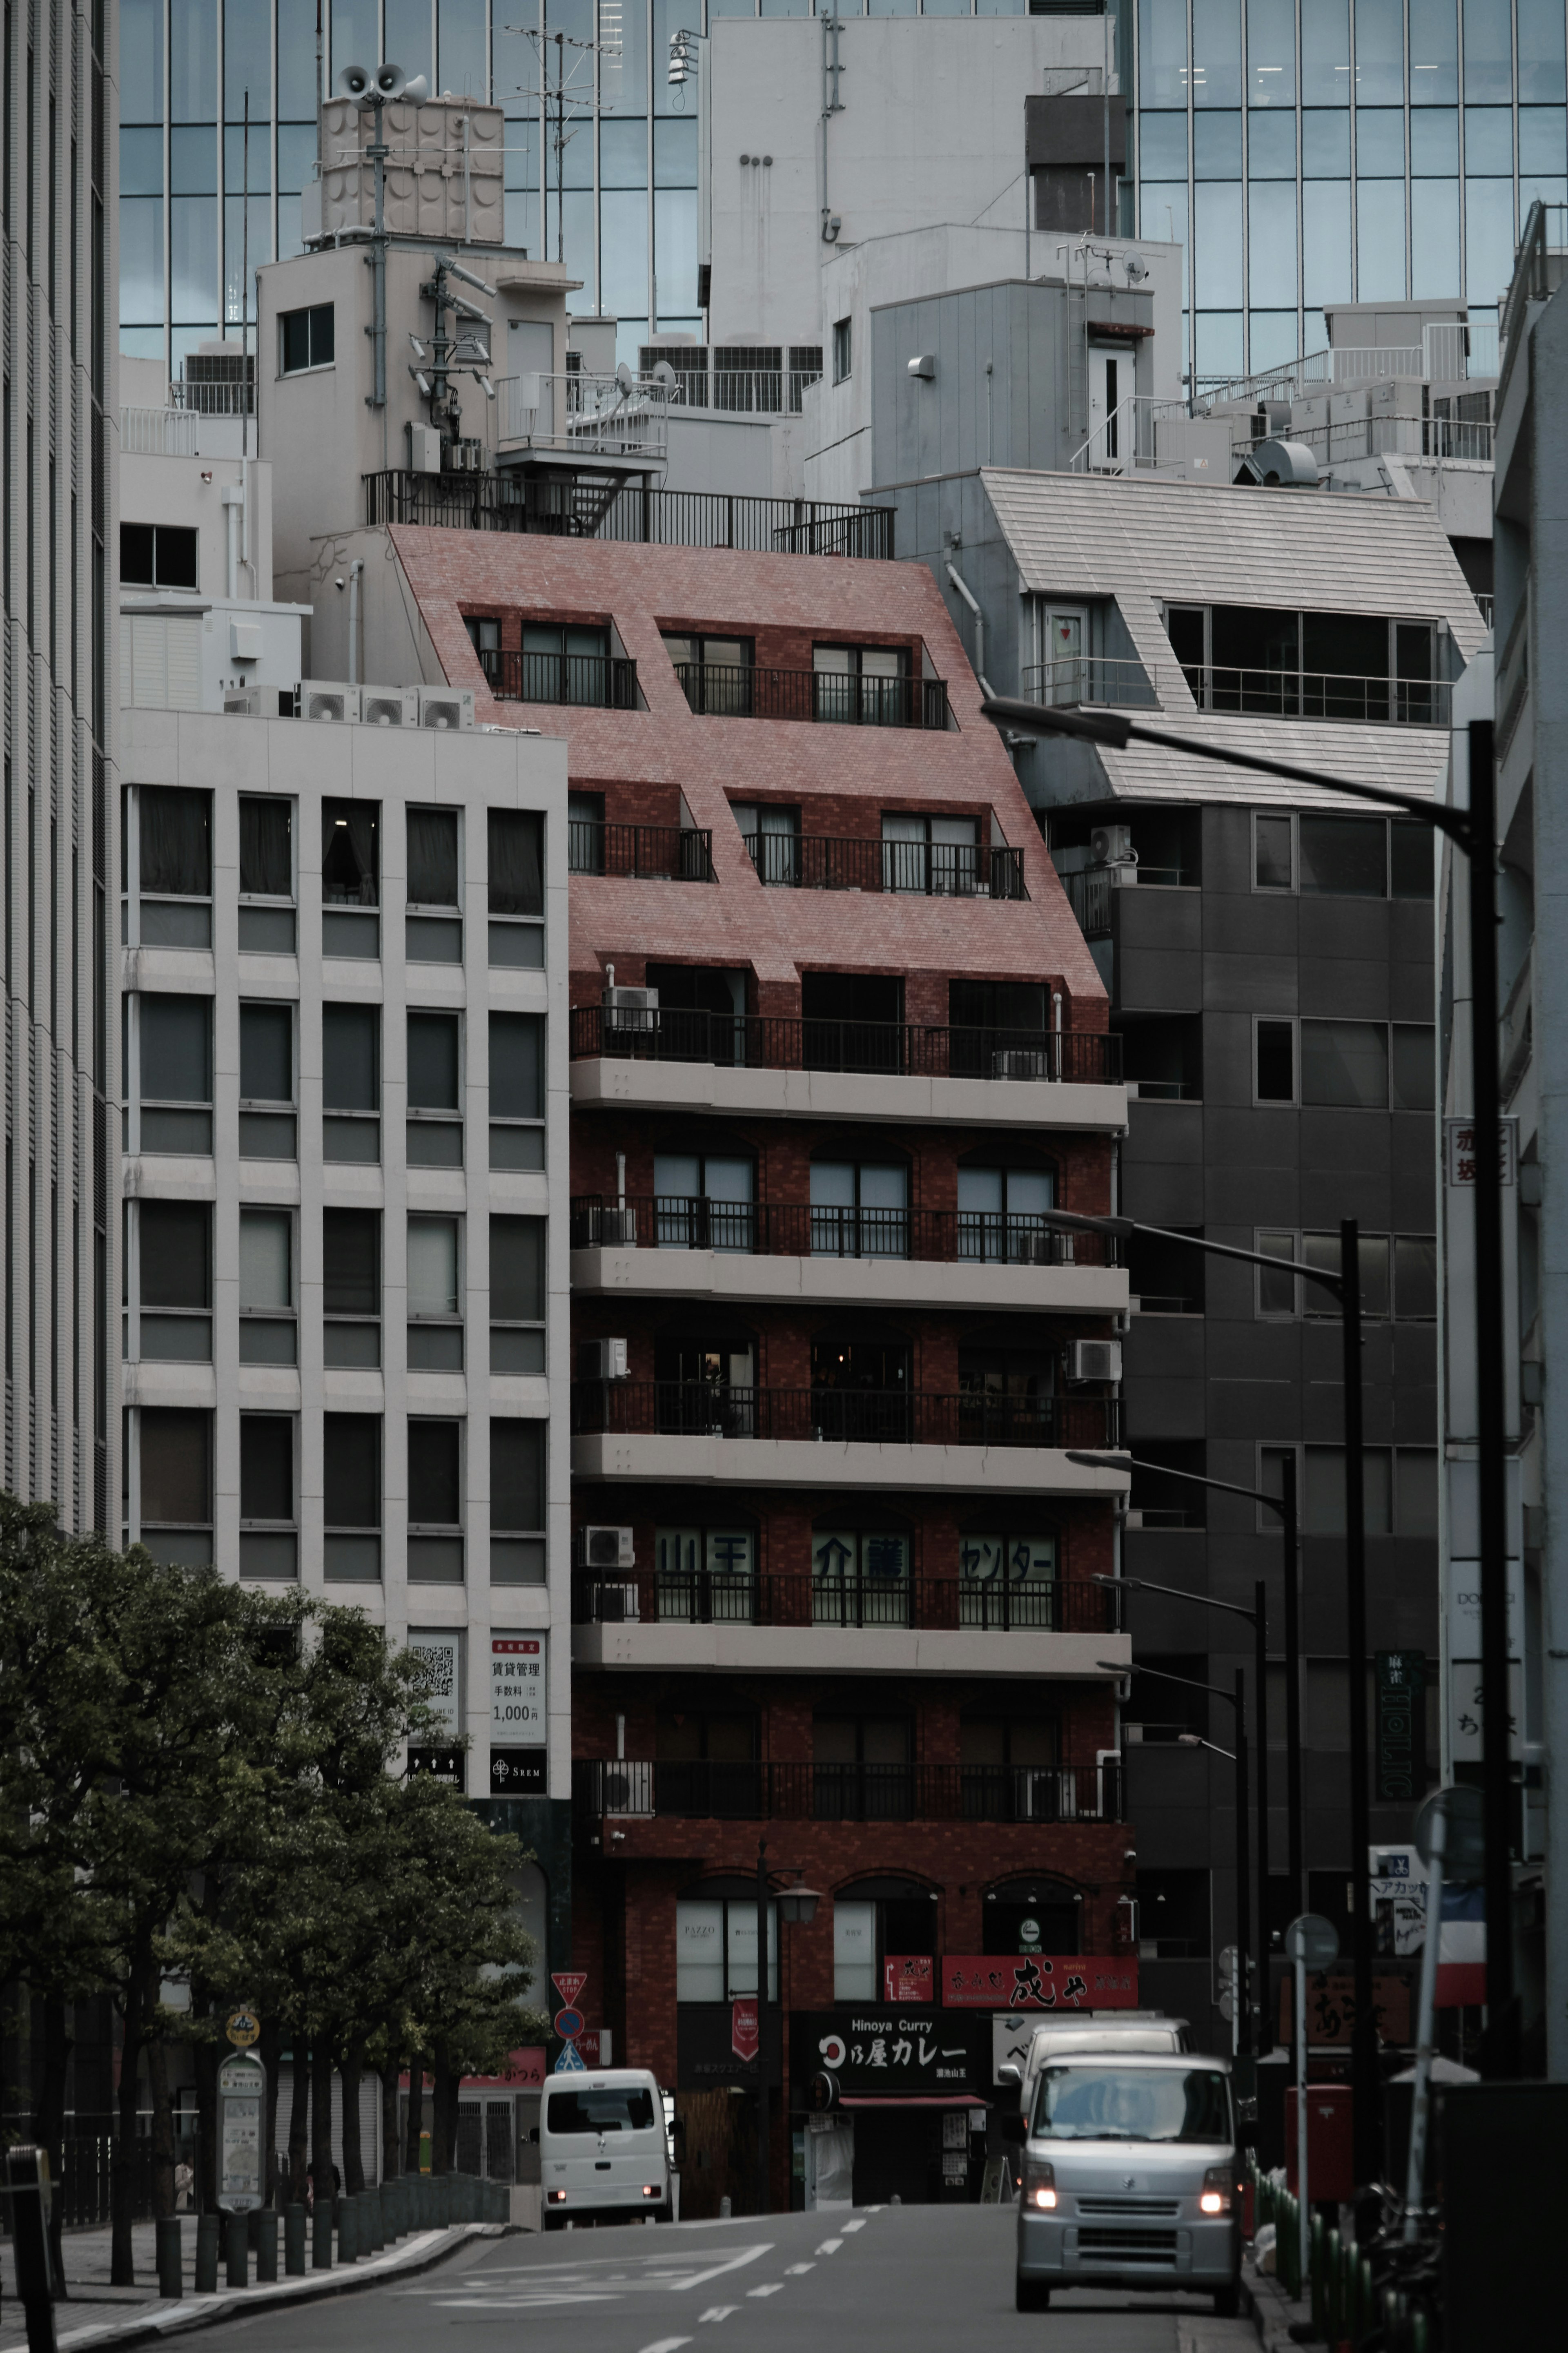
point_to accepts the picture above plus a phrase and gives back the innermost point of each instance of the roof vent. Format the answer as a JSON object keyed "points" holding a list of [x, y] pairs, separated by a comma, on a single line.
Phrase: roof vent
{"points": [[1281, 466]]}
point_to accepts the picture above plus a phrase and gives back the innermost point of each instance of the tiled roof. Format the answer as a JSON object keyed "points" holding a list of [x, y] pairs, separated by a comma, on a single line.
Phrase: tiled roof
{"points": [[1406, 759]]}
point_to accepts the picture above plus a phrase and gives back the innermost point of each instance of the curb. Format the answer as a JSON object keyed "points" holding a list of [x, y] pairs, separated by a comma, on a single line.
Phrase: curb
{"points": [[422, 2253], [1270, 2310]]}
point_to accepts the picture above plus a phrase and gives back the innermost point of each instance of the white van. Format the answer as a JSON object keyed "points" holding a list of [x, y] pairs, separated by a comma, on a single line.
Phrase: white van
{"points": [[603, 2152], [1123, 2029]]}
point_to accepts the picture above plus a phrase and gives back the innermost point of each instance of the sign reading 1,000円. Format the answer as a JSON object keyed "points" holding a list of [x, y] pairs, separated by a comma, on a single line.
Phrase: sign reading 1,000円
{"points": [[517, 1689]]}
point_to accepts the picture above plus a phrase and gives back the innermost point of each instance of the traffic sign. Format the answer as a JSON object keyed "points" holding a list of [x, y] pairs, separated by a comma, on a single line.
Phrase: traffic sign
{"points": [[1313, 1940], [568, 2024], [243, 2028], [569, 1984], [569, 2061]]}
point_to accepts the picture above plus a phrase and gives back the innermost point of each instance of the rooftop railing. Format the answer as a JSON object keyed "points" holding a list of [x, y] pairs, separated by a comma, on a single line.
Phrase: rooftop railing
{"points": [[631, 1788], [891, 1048], [1451, 351], [158, 432], [592, 416], [842, 1417], [1041, 1605], [831, 698], [816, 1230], [642, 853], [938, 870], [630, 514], [1380, 701]]}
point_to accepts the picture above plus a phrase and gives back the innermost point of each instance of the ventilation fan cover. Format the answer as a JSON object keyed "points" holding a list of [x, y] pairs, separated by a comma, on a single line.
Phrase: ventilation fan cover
{"points": [[327, 706], [383, 711]]}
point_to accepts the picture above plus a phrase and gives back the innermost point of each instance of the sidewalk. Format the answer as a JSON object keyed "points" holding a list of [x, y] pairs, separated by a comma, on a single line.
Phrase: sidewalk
{"points": [[1271, 2310], [98, 2315]]}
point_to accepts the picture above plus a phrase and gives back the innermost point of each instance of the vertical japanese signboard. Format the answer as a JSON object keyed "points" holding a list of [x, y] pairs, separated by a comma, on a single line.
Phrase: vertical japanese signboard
{"points": [[518, 1681], [242, 2109], [1401, 1727]]}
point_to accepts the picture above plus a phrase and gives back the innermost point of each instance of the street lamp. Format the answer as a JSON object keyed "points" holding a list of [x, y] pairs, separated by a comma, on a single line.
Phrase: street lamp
{"points": [[1242, 2022], [1473, 832], [797, 1906]]}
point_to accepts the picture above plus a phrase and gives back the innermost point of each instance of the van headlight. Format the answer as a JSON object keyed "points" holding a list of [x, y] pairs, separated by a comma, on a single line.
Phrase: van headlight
{"points": [[1039, 2185], [1217, 2190]]}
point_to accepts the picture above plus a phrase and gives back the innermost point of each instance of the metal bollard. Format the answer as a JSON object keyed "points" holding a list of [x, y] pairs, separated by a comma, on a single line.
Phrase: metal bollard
{"points": [[236, 2250], [370, 2222], [171, 2274], [348, 2229], [321, 2235], [294, 2242], [265, 2237], [1319, 2258], [207, 2253]]}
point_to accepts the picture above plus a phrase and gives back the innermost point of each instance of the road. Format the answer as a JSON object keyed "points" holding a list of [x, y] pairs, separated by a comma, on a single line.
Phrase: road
{"points": [[910, 2279]]}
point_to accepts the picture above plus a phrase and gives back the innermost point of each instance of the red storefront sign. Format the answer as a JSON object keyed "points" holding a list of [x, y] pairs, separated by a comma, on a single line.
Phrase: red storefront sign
{"points": [[1037, 1981], [524, 2072], [909, 1977], [745, 2029]]}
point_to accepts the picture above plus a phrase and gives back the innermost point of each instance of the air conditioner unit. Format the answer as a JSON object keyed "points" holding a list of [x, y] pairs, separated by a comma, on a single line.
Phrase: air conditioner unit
{"points": [[389, 706], [243, 701], [603, 1360], [627, 1010], [605, 1548], [617, 1228], [615, 1605], [1095, 1360], [329, 700], [447, 707], [1040, 1250], [1021, 1062], [1111, 845]]}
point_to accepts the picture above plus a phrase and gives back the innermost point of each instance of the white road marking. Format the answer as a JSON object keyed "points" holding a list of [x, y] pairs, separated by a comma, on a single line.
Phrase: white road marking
{"points": [[860, 2222], [770, 2287], [794, 2271], [718, 2312], [666, 2345], [830, 2246], [585, 2279]]}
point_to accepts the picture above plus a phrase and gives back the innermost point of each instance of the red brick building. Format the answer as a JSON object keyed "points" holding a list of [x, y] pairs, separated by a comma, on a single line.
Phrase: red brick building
{"points": [[835, 1044]]}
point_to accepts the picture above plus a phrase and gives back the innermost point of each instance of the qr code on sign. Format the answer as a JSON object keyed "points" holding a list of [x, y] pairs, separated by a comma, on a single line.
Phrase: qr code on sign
{"points": [[439, 1662]]}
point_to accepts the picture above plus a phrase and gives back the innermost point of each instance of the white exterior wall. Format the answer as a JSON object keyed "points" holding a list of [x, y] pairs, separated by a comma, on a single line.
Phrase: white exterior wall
{"points": [[471, 773]]}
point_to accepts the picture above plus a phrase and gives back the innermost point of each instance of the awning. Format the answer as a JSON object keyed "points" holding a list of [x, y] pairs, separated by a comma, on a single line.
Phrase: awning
{"points": [[911, 2100]]}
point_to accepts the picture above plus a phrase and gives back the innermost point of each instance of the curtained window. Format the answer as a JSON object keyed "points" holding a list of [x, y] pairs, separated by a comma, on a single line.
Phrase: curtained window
{"points": [[517, 1475], [266, 868], [176, 841], [351, 869], [432, 857], [516, 862]]}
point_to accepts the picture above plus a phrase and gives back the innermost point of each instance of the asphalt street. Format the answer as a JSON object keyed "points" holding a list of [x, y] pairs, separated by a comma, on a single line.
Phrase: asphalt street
{"points": [[912, 2279]]}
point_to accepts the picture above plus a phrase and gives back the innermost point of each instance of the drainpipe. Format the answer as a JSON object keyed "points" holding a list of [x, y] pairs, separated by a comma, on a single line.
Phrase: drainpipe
{"points": [[355, 568], [233, 508], [979, 630]]}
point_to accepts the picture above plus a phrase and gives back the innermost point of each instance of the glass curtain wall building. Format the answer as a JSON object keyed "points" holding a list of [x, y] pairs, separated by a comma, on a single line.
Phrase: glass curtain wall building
{"points": [[1313, 152], [620, 210]]}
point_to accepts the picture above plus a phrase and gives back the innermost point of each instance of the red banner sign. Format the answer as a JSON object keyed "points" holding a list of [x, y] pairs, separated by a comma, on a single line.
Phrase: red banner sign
{"points": [[594, 2045], [524, 2072], [1037, 1981], [909, 1977], [745, 2029]]}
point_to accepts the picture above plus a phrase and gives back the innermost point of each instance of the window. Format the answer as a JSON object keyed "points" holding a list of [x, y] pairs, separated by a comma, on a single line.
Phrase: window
{"points": [[484, 634], [859, 1209], [874, 1920], [1276, 1070], [176, 1054], [860, 1768], [517, 1090], [351, 1286], [157, 555], [859, 1574], [306, 339], [1008, 1577], [267, 1332], [1411, 1260], [861, 685], [434, 1123], [517, 1502], [1416, 1277], [266, 874], [1307, 665], [1413, 1067], [174, 1244], [716, 1936], [1345, 1063], [350, 878], [1000, 1214], [176, 1483], [1410, 861], [515, 846], [267, 1081], [571, 664], [843, 348], [937, 855], [350, 1082], [584, 833], [1274, 863], [706, 1575], [516, 1294], [716, 674], [1349, 1065], [772, 835], [172, 832], [435, 1502], [269, 1535], [351, 1478], [1343, 856], [1400, 1491], [435, 1299], [704, 1201], [432, 857]]}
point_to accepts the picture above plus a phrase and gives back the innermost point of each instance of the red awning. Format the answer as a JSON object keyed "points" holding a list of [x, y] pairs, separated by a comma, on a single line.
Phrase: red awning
{"points": [[911, 2100]]}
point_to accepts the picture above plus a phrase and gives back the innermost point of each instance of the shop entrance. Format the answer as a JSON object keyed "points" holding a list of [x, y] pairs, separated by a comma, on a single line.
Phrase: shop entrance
{"points": [[920, 2155]]}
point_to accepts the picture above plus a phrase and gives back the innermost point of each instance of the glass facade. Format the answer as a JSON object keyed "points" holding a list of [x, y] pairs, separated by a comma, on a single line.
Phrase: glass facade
{"points": [[617, 203], [1332, 150]]}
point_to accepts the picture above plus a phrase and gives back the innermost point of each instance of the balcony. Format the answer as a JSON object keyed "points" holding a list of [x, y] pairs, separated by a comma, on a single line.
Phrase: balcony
{"points": [[591, 416], [642, 853], [627, 513], [792, 1252], [1045, 1605], [915, 1418], [1366, 702], [814, 861], [574, 681], [830, 698], [631, 1790], [886, 1049]]}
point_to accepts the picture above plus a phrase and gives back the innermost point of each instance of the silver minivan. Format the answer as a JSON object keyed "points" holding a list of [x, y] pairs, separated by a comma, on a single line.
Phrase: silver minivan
{"points": [[1129, 2177], [1122, 2029], [603, 2152]]}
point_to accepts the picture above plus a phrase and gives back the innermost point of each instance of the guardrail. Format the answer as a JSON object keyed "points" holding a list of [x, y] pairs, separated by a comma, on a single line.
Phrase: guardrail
{"points": [[937, 869], [1091, 677], [840, 1416], [644, 853], [594, 415], [578, 681], [815, 1229], [891, 1049], [629, 1788], [633, 513], [158, 432], [1039, 1605], [831, 698]]}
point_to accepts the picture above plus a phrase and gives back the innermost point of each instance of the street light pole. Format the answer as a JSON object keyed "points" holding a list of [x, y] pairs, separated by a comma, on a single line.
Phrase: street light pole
{"points": [[764, 2120], [1364, 2122]]}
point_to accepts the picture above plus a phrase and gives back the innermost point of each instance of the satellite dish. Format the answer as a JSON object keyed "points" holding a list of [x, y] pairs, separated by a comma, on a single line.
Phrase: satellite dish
{"points": [[354, 82], [1137, 268], [664, 375], [623, 376]]}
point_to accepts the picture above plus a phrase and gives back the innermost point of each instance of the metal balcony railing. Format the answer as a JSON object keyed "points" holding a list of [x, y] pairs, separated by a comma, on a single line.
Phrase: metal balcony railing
{"points": [[631, 1788], [1091, 896], [1091, 677], [569, 509], [891, 1048], [582, 681], [813, 1230], [938, 870], [169, 432], [832, 698], [1317, 695], [661, 853], [868, 1417], [953, 1604], [593, 415]]}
